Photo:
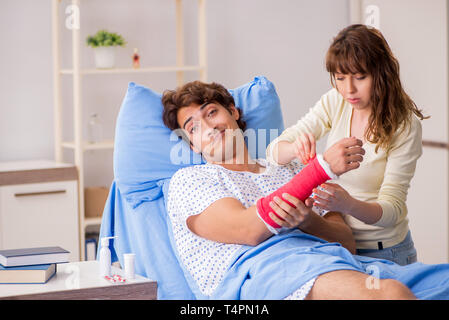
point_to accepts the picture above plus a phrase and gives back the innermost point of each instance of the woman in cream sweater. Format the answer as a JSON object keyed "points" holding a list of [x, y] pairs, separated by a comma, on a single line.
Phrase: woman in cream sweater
{"points": [[368, 103]]}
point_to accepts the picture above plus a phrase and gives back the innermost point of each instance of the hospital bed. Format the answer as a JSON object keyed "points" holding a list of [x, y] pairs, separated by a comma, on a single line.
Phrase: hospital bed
{"points": [[147, 154]]}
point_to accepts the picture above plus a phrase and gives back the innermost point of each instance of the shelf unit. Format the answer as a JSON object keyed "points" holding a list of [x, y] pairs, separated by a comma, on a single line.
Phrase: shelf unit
{"points": [[80, 145]]}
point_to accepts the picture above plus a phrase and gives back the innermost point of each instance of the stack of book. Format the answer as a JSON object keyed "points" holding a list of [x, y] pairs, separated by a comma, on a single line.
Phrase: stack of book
{"points": [[30, 265]]}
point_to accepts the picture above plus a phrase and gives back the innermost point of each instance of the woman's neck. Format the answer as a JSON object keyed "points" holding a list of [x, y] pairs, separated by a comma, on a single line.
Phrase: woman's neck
{"points": [[362, 114], [359, 123]]}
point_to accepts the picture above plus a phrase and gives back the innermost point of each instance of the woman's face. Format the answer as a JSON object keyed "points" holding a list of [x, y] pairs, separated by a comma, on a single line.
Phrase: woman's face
{"points": [[355, 88]]}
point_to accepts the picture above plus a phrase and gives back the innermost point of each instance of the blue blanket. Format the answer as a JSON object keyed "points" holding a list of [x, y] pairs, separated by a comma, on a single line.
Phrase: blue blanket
{"points": [[280, 265]]}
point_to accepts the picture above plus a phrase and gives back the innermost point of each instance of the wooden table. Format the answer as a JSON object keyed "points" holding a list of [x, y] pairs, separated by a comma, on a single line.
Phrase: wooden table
{"points": [[81, 281]]}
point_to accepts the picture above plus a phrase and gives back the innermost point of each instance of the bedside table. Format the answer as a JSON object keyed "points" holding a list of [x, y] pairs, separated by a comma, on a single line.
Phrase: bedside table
{"points": [[39, 206], [81, 281]]}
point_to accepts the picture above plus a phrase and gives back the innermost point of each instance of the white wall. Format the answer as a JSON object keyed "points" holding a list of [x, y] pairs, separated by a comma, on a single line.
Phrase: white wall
{"points": [[281, 39], [25, 80]]}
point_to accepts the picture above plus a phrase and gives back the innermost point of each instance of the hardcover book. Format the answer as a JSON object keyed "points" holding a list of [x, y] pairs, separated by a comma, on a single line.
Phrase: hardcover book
{"points": [[33, 256], [27, 274]]}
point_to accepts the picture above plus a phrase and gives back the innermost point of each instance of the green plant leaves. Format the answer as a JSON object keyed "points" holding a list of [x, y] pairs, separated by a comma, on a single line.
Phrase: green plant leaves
{"points": [[103, 38]]}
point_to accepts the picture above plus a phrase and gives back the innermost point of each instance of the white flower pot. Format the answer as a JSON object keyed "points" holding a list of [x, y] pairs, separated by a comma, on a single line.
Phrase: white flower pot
{"points": [[104, 57]]}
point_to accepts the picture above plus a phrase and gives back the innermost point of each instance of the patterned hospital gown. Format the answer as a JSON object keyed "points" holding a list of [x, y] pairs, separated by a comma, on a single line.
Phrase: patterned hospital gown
{"points": [[195, 188]]}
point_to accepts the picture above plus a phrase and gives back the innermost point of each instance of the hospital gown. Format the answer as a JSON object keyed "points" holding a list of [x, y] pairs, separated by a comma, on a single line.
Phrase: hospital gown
{"points": [[195, 188]]}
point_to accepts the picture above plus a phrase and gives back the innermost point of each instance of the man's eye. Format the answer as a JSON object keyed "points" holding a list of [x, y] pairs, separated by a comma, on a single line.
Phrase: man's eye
{"points": [[192, 130], [211, 112]]}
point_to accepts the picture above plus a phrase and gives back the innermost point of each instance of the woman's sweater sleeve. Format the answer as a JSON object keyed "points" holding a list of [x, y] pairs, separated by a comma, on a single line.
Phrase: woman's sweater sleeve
{"points": [[399, 171], [318, 121]]}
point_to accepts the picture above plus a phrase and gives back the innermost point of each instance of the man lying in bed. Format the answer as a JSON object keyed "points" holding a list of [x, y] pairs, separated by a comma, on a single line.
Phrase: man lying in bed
{"points": [[213, 212]]}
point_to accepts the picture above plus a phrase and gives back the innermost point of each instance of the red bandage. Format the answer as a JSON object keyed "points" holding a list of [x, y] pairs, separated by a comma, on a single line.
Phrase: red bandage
{"points": [[300, 186]]}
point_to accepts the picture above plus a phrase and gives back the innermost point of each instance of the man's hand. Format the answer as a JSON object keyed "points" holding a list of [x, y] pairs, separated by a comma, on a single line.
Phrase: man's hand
{"points": [[344, 155], [292, 217]]}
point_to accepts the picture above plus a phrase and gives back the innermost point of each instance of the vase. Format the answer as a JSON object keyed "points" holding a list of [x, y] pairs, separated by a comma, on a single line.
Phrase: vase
{"points": [[104, 57]]}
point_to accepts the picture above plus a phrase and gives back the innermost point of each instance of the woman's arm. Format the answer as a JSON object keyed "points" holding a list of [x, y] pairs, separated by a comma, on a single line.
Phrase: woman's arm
{"points": [[399, 171], [283, 152], [390, 205], [336, 198], [317, 122]]}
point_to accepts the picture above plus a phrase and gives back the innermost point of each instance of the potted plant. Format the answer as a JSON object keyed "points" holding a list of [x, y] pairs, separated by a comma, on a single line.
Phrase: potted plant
{"points": [[104, 44]]}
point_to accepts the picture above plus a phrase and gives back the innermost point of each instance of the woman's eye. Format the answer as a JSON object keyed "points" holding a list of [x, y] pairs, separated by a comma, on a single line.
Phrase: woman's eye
{"points": [[361, 77], [211, 112]]}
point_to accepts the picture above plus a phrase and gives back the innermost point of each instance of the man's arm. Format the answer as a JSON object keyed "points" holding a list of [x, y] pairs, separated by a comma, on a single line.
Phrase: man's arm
{"points": [[333, 228], [228, 221]]}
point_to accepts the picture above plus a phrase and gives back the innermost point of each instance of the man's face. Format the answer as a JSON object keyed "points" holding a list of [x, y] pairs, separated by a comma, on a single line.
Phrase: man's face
{"points": [[211, 129]]}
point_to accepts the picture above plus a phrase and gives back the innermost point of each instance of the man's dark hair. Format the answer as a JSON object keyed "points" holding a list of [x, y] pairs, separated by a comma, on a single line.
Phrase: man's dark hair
{"points": [[196, 92]]}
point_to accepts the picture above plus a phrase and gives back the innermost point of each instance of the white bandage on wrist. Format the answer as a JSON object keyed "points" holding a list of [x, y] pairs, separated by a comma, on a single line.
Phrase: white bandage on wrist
{"points": [[326, 167]]}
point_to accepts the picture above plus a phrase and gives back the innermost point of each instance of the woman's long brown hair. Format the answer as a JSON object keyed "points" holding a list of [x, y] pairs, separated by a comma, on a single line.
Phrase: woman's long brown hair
{"points": [[362, 49]]}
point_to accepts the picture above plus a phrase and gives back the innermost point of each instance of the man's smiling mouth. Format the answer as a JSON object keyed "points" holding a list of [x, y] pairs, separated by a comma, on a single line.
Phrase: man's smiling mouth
{"points": [[218, 135]]}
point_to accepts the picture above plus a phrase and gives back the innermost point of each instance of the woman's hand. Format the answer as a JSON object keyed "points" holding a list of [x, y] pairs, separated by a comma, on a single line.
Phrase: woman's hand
{"points": [[334, 198], [304, 147], [292, 217], [345, 155]]}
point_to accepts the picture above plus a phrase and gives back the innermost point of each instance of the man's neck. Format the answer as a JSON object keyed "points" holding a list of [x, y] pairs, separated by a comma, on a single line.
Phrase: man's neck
{"points": [[248, 167], [241, 162]]}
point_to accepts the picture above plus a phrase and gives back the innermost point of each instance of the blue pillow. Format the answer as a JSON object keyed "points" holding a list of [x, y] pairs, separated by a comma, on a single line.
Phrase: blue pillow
{"points": [[147, 152], [261, 112]]}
